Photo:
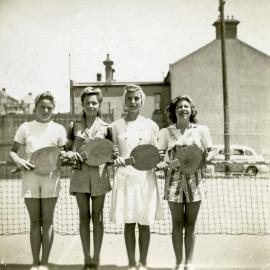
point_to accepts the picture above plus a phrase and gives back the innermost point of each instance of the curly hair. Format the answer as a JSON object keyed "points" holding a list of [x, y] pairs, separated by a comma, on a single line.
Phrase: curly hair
{"points": [[170, 109], [44, 95], [90, 91]]}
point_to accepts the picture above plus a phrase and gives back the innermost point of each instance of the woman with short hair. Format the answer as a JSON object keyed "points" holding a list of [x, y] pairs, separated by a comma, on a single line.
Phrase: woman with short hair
{"points": [[40, 192]]}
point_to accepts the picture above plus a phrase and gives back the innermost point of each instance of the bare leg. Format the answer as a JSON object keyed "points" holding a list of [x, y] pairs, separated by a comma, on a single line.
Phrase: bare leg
{"points": [[144, 240], [47, 211], [191, 213], [34, 209], [177, 212], [130, 241], [98, 229], [85, 216]]}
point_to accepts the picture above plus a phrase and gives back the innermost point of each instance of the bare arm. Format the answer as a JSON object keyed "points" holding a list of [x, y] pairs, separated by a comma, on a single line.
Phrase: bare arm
{"points": [[210, 154], [20, 162]]}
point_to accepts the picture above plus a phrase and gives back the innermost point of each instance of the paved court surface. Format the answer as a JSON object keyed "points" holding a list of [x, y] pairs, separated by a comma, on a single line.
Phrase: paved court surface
{"points": [[212, 252]]}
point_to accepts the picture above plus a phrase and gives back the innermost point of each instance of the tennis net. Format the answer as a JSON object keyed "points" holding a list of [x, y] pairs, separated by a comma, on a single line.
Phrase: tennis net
{"points": [[235, 203]]}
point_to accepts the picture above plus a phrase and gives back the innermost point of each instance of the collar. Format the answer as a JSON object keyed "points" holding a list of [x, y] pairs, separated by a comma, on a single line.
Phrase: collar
{"points": [[139, 118], [191, 125]]}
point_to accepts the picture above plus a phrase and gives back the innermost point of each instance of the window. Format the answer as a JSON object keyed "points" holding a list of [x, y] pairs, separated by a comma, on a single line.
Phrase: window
{"points": [[238, 152], [248, 153], [157, 100], [221, 152]]}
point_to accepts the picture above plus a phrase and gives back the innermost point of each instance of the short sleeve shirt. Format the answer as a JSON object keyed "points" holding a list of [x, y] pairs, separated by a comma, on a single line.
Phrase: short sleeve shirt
{"points": [[128, 135], [78, 132], [35, 135], [195, 134]]}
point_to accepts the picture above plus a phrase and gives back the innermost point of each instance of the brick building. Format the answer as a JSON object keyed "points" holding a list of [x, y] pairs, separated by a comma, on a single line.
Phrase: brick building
{"points": [[157, 96]]}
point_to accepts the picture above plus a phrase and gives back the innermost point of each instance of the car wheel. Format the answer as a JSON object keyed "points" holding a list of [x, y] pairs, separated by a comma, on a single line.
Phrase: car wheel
{"points": [[252, 171]]}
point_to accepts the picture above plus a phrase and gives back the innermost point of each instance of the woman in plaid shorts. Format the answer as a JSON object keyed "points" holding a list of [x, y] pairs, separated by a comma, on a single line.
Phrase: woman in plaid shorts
{"points": [[182, 190]]}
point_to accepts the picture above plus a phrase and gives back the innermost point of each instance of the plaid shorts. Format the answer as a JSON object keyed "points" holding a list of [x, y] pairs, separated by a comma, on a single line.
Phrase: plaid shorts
{"points": [[183, 187]]}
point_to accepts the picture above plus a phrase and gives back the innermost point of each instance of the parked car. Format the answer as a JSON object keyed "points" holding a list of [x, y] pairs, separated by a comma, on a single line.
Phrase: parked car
{"points": [[244, 160]]}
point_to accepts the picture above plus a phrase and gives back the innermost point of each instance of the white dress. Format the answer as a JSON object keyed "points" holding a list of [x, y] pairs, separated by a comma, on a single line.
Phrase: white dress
{"points": [[135, 195]]}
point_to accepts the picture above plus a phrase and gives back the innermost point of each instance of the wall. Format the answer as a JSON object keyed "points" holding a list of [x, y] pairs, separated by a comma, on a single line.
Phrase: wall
{"points": [[113, 95], [200, 76]]}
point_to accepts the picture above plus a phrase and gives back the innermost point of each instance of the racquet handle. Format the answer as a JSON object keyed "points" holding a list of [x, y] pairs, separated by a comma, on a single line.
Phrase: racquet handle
{"points": [[15, 170], [128, 161], [172, 164]]}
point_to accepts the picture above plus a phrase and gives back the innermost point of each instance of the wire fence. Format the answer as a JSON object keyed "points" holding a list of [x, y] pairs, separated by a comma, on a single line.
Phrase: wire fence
{"points": [[234, 203]]}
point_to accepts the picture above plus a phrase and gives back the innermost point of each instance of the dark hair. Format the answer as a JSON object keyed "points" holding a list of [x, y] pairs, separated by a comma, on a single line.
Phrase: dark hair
{"points": [[170, 109], [90, 91], [44, 95]]}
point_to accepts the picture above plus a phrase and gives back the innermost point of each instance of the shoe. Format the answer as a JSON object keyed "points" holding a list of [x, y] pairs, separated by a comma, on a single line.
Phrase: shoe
{"points": [[188, 266], [132, 268], [34, 267], [142, 267], [94, 266], [178, 267], [87, 267], [43, 267]]}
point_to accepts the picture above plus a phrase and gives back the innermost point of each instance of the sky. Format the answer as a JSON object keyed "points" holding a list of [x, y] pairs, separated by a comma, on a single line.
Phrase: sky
{"points": [[45, 43]]}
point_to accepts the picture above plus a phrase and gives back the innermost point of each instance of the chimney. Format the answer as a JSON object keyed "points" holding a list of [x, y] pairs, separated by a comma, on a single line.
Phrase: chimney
{"points": [[29, 94], [108, 69], [99, 77], [230, 28], [4, 89]]}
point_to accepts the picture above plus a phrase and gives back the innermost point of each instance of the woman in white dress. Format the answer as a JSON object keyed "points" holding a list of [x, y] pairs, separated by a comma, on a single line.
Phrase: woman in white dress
{"points": [[135, 197]]}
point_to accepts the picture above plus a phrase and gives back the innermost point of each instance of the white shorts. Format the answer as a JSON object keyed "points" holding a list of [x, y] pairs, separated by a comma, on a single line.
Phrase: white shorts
{"points": [[40, 186]]}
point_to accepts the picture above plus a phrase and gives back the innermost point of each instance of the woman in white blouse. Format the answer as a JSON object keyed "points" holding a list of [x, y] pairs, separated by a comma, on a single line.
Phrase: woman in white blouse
{"points": [[135, 198]]}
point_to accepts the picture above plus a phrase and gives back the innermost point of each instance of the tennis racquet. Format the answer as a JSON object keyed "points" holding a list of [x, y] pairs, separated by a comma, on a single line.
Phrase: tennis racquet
{"points": [[143, 157], [44, 160], [96, 152], [191, 158]]}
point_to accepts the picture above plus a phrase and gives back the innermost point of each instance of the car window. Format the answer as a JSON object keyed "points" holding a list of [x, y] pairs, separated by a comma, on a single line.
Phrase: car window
{"points": [[248, 153], [238, 152]]}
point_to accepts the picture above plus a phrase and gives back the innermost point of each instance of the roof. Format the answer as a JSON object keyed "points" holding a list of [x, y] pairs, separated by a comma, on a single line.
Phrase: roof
{"points": [[242, 146], [214, 41], [83, 84], [3, 94]]}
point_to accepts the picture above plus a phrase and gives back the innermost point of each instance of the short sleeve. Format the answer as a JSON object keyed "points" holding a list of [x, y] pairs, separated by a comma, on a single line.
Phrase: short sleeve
{"points": [[163, 139], [154, 133], [206, 137], [62, 136], [20, 135], [114, 129]]}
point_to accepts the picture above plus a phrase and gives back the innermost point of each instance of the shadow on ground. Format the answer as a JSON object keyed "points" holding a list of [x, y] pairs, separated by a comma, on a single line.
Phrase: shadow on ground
{"points": [[70, 267], [103, 267]]}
